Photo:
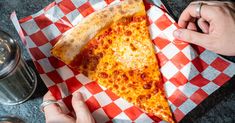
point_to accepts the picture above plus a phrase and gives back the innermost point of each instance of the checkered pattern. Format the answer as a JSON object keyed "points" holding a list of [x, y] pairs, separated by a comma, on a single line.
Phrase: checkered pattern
{"points": [[190, 73]]}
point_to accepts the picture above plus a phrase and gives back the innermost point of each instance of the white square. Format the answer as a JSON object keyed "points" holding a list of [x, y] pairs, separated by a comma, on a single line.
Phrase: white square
{"points": [[154, 13], [103, 99], [122, 104], [83, 79], [210, 88], [121, 118], [74, 17], [189, 71], [170, 51], [154, 31], [169, 70], [169, 32], [100, 116], [54, 13], [230, 70], [29, 42], [48, 82], [210, 73], [172, 106], [30, 27], [46, 49], [58, 1], [143, 118], [189, 52], [46, 65], [187, 106], [156, 49], [78, 3], [51, 32], [188, 89], [65, 72], [97, 4], [208, 56], [86, 94], [38, 13], [169, 88], [163, 121], [63, 90]]}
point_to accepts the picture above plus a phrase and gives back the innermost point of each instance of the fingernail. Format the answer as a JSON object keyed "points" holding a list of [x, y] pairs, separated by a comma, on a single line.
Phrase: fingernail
{"points": [[177, 33], [78, 95]]}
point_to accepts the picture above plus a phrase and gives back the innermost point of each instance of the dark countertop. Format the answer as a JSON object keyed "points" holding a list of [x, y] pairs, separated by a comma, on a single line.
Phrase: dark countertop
{"points": [[219, 107]]}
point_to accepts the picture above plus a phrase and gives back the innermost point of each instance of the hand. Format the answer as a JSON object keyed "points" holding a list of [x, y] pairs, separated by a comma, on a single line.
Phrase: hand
{"points": [[217, 23], [54, 114]]}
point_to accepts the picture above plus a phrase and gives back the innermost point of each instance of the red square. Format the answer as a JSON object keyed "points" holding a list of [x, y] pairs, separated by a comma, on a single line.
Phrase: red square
{"points": [[93, 87], [108, 1], [73, 84], [199, 81], [38, 67], [163, 22], [63, 24], [162, 59], [133, 112], [178, 98], [180, 60], [36, 53], [180, 44], [112, 110], [25, 19], [179, 79], [56, 63], [198, 49], [54, 76], [161, 42], [111, 95], [42, 21], [68, 102], [66, 6], [92, 104], [147, 5], [220, 64], [39, 38], [199, 64], [55, 92], [199, 96], [221, 79], [155, 118], [55, 40], [178, 115], [86, 9]]}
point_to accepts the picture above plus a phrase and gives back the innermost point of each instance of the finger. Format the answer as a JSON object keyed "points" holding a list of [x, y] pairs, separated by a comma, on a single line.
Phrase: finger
{"points": [[52, 109], [193, 37], [190, 12], [192, 26], [81, 110], [203, 25]]}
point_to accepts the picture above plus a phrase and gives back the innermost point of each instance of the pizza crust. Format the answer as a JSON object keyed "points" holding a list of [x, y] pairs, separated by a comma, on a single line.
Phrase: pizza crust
{"points": [[71, 43]]}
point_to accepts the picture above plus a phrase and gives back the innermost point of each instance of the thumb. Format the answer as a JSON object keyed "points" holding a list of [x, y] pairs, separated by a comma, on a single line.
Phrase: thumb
{"points": [[81, 110], [190, 36]]}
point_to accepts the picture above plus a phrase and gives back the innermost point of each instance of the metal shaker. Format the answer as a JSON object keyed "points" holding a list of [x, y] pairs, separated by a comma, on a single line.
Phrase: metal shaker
{"points": [[17, 80]]}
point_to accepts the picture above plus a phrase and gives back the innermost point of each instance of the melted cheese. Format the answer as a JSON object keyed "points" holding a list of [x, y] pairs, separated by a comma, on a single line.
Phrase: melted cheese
{"points": [[121, 58]]}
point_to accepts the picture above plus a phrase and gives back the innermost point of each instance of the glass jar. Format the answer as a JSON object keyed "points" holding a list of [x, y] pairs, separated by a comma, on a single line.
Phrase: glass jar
{"points": [[17, 80]]}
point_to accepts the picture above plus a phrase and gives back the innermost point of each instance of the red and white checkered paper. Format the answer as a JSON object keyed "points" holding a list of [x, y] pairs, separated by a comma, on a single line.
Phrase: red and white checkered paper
{"points": [[190, 73]]}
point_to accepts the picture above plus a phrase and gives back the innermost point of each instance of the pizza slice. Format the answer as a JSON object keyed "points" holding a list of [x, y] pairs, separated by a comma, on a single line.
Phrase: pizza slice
{"points": [[113, 47]]}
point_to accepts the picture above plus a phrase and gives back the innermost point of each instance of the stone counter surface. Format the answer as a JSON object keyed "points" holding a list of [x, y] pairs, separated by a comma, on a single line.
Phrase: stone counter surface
{"points": [[218, 108]]}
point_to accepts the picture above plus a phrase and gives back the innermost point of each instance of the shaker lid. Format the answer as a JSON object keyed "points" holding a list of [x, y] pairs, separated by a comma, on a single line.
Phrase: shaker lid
{"points": [[9, 54]]}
